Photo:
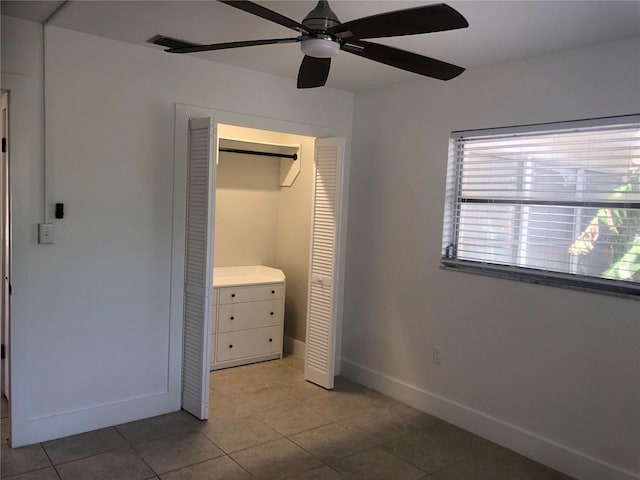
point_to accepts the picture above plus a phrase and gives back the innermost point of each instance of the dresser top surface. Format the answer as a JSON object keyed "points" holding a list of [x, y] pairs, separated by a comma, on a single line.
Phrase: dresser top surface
{"points": [[246, 275]]}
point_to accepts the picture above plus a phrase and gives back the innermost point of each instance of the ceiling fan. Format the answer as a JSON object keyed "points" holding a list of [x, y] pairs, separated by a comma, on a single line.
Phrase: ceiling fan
{"points": [[322, 36]]}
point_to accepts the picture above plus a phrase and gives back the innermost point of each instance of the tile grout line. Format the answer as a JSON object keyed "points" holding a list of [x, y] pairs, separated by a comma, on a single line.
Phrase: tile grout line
{"points": [[417, 467], [237, 463], [323, 463], [208, 460], [55, 465], [50, 461], [156, 474], [247, 448]]}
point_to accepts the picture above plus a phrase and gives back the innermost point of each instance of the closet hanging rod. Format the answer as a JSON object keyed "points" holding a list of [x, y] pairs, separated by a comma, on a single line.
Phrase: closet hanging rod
{"points": [[293, 156]]}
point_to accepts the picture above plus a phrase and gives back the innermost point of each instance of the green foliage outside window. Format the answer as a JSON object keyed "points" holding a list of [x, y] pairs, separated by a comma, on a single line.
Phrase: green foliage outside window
{"points": [[623, 226]]}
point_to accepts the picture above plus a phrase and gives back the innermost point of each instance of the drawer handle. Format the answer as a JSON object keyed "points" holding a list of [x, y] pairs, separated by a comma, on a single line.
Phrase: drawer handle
{"points": [[233, 295], [271, 339], [230, 346], [231, 318], [271, 313], [273, 292]]}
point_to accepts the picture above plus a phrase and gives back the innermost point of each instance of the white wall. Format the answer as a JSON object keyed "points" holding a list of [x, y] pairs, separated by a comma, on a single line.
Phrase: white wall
{"points": [[551, 372], [21, 73], [246, 217], [294, 238], [91, 315]]}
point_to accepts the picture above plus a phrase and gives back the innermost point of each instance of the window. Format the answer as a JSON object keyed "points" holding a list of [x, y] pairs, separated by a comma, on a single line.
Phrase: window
{"points": [[553, 203]]}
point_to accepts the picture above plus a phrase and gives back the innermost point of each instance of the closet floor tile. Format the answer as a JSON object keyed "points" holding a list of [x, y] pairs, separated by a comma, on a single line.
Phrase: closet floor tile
{"points": [[307, 391], [259, 401], [221, 407], [297, 363]]}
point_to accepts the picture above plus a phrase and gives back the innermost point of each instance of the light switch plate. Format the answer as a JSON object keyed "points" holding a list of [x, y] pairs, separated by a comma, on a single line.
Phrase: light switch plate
{"points": [[45, 233]]}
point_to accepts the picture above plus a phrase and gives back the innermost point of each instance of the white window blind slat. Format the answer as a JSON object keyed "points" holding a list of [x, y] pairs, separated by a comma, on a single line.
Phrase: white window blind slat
{"points": [[562, 198]]}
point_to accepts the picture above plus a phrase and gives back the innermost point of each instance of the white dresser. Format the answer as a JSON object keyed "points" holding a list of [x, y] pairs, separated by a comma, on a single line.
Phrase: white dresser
{"points": [[247, 315]]}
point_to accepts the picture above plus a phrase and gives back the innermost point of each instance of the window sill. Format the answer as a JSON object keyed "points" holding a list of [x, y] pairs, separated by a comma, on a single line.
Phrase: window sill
{"points": [[540, 277]]}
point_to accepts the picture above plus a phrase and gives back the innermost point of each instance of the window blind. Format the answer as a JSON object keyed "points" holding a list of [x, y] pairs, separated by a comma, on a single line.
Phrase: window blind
{"points": [[556, 201]]}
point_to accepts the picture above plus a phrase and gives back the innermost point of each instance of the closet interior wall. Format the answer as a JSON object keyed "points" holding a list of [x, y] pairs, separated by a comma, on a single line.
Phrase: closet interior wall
{"points": [[259, 222]]}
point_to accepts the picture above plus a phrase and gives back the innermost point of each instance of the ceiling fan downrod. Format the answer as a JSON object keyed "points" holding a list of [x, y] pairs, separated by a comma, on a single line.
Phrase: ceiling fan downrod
{"points": [[321, 18]]}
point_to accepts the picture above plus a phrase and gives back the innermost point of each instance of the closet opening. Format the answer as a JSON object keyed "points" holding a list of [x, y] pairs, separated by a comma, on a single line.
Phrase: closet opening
{"points": [[257, 254], [262, 238]]}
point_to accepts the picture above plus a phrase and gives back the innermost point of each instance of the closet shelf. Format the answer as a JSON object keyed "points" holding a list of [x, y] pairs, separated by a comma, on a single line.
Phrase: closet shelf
{"points": [[289, 155]]}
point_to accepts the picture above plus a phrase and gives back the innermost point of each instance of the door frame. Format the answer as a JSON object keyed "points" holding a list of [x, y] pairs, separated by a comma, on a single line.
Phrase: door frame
{"points": [[182, 114], [5, 245]]}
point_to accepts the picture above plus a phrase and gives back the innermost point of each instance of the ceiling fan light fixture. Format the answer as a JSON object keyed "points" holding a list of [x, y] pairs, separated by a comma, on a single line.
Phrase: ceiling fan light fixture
{"points": [[320, 47]]}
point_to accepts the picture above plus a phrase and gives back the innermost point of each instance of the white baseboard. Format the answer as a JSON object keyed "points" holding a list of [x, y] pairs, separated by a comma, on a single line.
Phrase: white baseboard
{"points": [[294, 347], [543, 450], [58, 425]]}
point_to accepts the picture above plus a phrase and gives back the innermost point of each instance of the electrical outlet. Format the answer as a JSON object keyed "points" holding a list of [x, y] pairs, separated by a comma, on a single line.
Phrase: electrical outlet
{"points": [[45, 233], [437, 355]]}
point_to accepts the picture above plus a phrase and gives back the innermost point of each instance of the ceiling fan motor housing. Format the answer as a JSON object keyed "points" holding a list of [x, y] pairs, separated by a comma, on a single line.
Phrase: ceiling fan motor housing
{"points": [[319, 20]]}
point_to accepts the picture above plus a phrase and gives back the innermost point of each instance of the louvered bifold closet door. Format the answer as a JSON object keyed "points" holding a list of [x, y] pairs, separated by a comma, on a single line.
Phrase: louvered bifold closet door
{"points": [[198, 268], [323, 282]]}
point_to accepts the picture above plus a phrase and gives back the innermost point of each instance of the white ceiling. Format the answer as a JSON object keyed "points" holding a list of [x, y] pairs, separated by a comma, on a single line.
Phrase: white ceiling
{"points": [[499, 31]]}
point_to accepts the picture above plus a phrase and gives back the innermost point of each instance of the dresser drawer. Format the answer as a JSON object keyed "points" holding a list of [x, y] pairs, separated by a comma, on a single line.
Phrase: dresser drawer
{"points": [[243, 316], [248, 343], [251, 293]]}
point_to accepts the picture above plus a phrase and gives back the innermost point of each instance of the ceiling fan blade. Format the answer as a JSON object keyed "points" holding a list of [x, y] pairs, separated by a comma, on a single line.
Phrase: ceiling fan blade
{"points": [[313, 72], [394, 57], [267, 14], [411, 21], [224, 46], [169, 42]]}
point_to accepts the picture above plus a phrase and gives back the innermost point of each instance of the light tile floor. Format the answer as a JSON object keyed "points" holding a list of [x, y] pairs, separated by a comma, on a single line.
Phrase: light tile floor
{"points": [[266, 422]]}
